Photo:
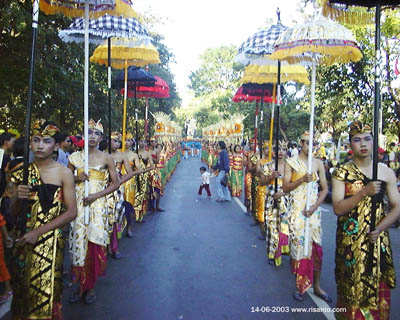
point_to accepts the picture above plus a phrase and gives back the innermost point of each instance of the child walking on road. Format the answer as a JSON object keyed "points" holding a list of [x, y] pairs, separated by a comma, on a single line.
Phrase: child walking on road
{"points": [[205, 182]]}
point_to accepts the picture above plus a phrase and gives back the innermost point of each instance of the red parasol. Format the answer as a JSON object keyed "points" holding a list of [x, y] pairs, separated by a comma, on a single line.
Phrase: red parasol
{"points": [[250, 96], [160, 90]]}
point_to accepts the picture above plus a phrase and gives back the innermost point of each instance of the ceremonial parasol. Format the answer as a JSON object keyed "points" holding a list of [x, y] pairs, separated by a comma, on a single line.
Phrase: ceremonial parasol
{"points": [[317, 41], [70, 8], [160, 90], [132, 78], [120, 53], [343, 13]]}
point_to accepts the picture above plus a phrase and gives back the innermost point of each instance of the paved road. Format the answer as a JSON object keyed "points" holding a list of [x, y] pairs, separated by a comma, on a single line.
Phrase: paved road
{"points": [[201, 260]]}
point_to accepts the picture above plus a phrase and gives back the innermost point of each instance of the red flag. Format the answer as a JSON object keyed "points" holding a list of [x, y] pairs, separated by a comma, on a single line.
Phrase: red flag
{"points": [[396, 67]]}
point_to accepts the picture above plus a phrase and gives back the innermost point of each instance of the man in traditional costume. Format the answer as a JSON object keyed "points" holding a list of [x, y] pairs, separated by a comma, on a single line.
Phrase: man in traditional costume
{"points": [[38, 255], [277, 228], [307, 269], [141, 194], [116, 199], [364, 264], [156, 178], [250, 183], [88, 243]]}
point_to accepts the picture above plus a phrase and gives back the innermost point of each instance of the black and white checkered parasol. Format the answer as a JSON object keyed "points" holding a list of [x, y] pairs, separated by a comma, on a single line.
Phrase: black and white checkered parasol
{"points": [[105, 27]]}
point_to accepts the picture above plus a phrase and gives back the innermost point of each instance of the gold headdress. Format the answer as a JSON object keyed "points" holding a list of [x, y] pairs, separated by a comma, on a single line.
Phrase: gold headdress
{"points": [[358, 127], [283, 144], [305, 136], [129, 136], [116, 136], [38, 129], [96, 125]]}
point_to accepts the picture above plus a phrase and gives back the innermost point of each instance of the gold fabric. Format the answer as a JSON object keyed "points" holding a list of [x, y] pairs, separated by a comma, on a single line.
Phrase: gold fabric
{"points": [[140, 204], [97, 231], [262, 191], [357, 286], [296, 219], [37, 269], [130, 187], [48, 131]]}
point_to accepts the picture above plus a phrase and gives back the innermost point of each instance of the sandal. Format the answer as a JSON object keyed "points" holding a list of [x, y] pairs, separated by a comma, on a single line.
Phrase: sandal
{"points": [[90, 299], [324, 296], [76, 297], [6, 296], [298, 296]]}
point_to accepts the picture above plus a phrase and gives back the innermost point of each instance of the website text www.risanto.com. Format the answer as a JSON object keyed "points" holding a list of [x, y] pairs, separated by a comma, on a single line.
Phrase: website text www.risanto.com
{"points": [[272, 309]]}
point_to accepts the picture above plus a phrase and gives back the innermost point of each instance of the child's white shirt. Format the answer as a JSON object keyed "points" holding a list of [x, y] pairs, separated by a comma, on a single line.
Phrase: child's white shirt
{"points": [[205, 178]]}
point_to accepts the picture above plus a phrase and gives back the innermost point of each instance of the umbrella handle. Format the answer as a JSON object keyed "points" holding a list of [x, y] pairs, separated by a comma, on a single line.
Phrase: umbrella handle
{"points": [[86, 107], [124, 112]]}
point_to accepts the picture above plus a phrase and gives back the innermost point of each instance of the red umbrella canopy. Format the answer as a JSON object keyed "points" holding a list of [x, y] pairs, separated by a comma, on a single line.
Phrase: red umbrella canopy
{"points": [[250, 95], [160, 90]]}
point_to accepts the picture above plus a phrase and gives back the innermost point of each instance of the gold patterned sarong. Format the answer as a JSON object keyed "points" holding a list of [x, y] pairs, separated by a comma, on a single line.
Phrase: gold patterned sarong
{"points": [[37, 269], [361, 289]]}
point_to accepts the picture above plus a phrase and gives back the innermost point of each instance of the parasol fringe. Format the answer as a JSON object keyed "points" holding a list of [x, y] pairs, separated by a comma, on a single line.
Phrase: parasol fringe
{"points": [[122, 8], [346, 15], [332, 54]]}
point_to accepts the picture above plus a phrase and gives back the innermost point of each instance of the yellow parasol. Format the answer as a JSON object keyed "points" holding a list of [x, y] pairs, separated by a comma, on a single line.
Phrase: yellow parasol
{"points": [[120, 53]]}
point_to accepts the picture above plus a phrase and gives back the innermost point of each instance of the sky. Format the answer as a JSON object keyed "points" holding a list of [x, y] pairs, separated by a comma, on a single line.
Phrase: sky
{"points": [[193, 26]]}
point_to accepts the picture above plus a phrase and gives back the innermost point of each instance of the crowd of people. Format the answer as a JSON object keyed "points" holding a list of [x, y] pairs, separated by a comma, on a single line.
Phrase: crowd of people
{"points": [[277, 198], [50, 217]]}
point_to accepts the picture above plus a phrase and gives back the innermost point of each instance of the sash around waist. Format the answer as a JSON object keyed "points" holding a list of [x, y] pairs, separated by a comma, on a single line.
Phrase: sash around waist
{"points": [[94, 174]]}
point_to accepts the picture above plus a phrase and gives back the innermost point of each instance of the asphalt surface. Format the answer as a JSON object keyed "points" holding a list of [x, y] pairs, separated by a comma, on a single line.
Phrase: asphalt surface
{"points": [[202, 260]]}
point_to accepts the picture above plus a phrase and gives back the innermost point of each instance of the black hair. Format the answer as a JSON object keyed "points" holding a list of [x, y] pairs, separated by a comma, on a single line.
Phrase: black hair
{"points": [[6, 136], [397, 172], [103, 145], [222, 145], [18, 147], [63, 137], [235, 147], [203, 169]]}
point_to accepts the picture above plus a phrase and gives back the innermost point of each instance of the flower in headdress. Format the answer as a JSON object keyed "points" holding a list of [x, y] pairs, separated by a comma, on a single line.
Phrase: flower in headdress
{"points": [[350, 226], [96, 125]]}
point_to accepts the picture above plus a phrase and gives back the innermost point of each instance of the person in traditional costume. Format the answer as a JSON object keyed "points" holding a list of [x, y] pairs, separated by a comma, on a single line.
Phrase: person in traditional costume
{"points": [[4, 274], [237, 171], [88, 243], [276, 222], [121, 211], [250, 182], [141, 194], [37, 260], [364, 262], [156, 178], [307, 269]]}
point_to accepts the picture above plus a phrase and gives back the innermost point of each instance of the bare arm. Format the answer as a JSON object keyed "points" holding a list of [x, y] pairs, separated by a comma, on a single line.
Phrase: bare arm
{"points": [[129, 172], [68, 186], [288, 185], [324, 186]]}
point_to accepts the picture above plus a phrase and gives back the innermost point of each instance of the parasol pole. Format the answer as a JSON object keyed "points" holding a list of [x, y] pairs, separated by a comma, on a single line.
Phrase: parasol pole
{"points": [[86, 107], [256, 128], [109, 93], [377, 102], [310, 156], [271, 126], [277, 126], [136, 122], [261, 123], [124, 112], [35, 20], [146, 112]]}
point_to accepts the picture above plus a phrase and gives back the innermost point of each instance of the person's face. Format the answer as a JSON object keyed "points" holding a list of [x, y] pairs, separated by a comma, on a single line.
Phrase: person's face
{"points": [[251, 145], [142, 144], [361, 144], [158, 148], [305, 147], [115, 144], [9, 144], [67, 144], [238, 149], [128, 143], [282, 152], [95, 137], [43, 147]]}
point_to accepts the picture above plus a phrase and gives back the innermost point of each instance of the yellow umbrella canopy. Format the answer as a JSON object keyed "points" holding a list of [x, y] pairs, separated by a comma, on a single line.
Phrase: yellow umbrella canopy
{"points": [[261, 74], [135, 53], [71, 8], [325, 40]]}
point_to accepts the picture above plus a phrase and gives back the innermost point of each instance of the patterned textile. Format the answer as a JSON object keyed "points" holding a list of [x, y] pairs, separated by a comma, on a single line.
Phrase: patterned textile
{"points": [[261, 191], [37, 269], [276, 222], [105, 27], [357, 286], [302, 266], [98, 229], [237, 175], [4, 275], [140, 204]]}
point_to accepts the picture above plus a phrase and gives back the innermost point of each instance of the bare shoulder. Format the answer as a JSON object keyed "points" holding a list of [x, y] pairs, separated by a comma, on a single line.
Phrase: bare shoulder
{"points": [[64, 172], [387, 173]]}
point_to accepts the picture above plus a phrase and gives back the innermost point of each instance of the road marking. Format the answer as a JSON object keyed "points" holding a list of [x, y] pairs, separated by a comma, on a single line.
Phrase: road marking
{"points": [[319, 302]]}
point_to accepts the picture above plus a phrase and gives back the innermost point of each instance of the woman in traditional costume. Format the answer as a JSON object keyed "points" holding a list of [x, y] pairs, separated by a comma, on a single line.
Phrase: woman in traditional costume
{"points": [[237, 171]]}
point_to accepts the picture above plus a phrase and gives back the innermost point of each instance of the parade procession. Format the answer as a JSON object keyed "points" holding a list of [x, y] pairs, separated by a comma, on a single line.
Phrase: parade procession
{"points": [[210, 160]]}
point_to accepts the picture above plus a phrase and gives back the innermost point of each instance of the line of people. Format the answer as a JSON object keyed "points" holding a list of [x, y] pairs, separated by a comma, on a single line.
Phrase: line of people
{"points": [[276, 199], [123, 188]]}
